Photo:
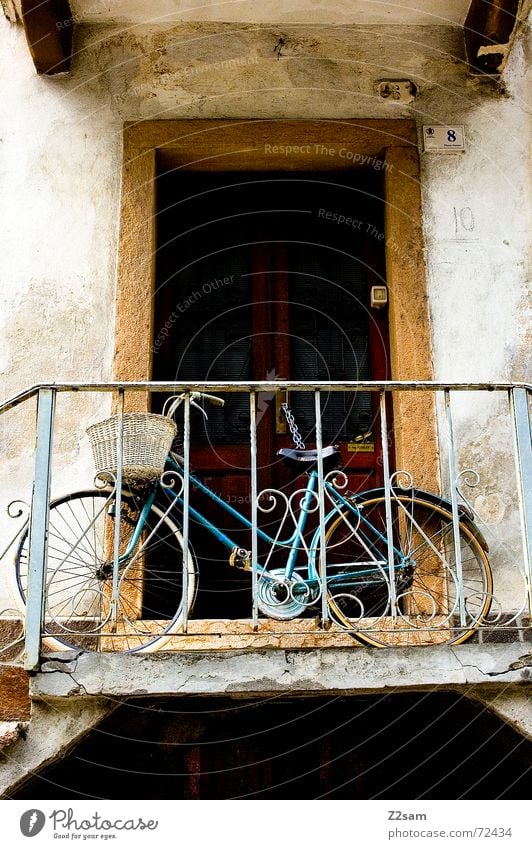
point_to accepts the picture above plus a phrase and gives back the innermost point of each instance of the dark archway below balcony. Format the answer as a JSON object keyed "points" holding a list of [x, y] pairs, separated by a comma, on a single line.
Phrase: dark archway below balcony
{"points": [[408, 746]]}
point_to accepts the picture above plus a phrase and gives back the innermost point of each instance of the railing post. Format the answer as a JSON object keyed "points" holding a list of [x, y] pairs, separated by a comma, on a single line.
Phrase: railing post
{"points": [[118, 509], [186, 507], [321, 506], [523, 467], [254, 507], [388, 508], [453, 476], [39, 528]]}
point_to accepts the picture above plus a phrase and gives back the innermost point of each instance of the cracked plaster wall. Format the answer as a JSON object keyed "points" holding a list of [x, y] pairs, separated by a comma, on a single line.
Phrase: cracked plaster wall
{"points": [[52, 733], [60, 161]]}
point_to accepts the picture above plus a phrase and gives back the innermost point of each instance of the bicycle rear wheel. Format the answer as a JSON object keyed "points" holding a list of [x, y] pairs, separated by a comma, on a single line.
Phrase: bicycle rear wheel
{"points": [[430, 606], [79, 576]]}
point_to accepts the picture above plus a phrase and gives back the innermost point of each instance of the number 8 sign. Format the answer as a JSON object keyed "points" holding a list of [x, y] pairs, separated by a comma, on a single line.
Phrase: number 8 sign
{"points": [[444, 139]]}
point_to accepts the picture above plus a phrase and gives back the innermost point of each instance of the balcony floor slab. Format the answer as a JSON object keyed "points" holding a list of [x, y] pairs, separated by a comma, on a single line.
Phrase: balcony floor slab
{"points": [[300, 672]]}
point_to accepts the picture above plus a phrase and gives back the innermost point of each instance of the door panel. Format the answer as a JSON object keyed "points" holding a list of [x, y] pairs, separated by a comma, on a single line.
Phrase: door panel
{"points": [[254, 283], [329, 338]]}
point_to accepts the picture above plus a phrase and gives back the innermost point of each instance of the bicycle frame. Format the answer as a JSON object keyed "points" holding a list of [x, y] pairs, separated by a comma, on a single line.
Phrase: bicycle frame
{"points": [[293, 543]]}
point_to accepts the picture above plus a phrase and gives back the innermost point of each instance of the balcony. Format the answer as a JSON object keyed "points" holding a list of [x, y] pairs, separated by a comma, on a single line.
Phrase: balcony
{"points": [[115, 580]]}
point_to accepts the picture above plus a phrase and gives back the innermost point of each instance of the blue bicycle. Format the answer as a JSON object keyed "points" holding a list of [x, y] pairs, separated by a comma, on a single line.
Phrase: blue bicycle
{"points": [[391, 566]]}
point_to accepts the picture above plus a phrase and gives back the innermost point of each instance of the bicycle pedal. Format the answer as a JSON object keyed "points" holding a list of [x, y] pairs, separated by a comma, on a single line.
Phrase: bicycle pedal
{"points": [[240, 558]]}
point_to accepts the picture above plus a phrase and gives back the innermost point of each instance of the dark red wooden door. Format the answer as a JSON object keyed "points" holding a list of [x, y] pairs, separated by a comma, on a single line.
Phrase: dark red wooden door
{"points": [[254, 283], [251, 288]]}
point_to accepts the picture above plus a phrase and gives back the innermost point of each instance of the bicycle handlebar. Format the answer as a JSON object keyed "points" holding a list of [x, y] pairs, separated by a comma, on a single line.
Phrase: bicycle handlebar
{"points": [[212, 399], [172, 404]]}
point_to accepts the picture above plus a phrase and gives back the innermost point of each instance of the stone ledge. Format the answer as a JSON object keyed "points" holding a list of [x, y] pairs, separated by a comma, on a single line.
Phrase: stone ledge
{"points": [[340, 671], [219, 635]]}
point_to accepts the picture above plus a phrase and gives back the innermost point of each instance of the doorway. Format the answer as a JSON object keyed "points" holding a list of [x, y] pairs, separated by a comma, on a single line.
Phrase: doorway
{"points": [[268, 277], [261, 278], [266, 145], [403, 746]]}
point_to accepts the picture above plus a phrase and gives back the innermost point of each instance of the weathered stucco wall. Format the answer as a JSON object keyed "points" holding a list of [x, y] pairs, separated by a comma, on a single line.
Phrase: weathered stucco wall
{"points": [[60, 155], [60, 162]]}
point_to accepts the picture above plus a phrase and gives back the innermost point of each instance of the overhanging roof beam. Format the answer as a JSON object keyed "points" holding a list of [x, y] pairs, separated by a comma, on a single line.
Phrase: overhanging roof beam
{"points": [[49, 26]]}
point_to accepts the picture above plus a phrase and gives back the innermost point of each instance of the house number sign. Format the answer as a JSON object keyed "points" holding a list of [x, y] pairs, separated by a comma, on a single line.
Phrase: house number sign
{"points": [[443, 139]]}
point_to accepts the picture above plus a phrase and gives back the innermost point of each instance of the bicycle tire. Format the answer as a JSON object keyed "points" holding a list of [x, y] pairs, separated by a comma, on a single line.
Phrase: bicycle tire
{"points": [[79, 576], [427, 592]]}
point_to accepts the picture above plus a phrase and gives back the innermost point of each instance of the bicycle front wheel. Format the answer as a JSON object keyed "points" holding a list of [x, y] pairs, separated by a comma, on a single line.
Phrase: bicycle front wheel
{"points": [[79, 608], [433, 595]]}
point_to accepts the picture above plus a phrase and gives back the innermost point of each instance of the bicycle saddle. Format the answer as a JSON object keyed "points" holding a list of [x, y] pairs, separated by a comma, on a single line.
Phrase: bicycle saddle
{"points": [[306, 458]]}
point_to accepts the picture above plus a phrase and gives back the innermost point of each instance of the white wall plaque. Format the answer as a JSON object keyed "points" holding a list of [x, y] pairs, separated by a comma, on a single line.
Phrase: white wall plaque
{"points": [[447, 139]]}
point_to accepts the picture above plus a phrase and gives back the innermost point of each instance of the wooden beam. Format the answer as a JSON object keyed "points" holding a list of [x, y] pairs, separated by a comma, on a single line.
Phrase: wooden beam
{"points": [[49, 26], [416, 446], [255, 144], [489, 31]]}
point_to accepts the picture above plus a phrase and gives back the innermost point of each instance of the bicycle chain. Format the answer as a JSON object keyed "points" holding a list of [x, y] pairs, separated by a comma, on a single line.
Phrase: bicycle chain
{"points": [[294, 430]]}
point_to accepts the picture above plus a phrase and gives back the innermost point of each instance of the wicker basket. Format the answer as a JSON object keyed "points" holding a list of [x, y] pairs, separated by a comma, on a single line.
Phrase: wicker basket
{"points": [[147, 438]]}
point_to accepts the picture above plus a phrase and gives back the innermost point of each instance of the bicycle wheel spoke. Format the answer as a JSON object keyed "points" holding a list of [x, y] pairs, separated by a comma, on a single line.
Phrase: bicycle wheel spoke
{"points": [[427, 589], [80, 567], [57, 613], [87, 514], [54, 550], [69, 578], [80, 542], [71, 586]]}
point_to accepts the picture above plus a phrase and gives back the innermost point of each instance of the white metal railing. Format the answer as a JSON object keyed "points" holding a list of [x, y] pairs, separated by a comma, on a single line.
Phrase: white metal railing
{"points": [[114, 569]]}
